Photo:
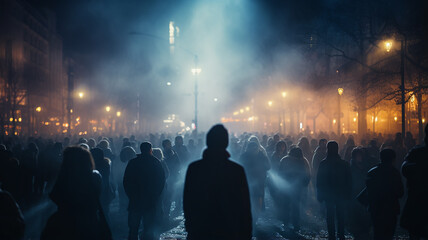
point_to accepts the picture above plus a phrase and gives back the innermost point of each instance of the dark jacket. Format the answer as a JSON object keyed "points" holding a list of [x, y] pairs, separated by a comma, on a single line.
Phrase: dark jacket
{"points": [[384, 188], [295, 171], [334, 180], [415, 211], [216, 200], [143, 181]]}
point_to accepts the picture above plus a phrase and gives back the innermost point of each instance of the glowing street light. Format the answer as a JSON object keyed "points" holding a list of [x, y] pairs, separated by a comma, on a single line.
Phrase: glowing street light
{"points": [[38, 109], [388, 45], [168, 83], [340, 91], [215, 99], [81, 94], [284, 94], [270, 103], [118, 114], [108, 108], [196, 71]]}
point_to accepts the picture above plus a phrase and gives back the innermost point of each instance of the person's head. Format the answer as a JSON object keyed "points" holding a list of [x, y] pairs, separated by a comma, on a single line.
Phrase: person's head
{"points": [[296, 152], [97, 154], [82, 140], [77, 164], [253, 148], [281, 147], [178, 141], [276, 138], [322, 143], [2, 147], [127, 153], [166, 144], [387, 155], [191, 142], [91, 143], [217, 137], [85, 146], [332, 148], [146, 148], [157, 152], [357, 155], [104, 144]]}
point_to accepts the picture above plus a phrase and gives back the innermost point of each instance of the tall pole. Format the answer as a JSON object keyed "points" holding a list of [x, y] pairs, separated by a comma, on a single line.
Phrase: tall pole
{"points": [[403, 93], [196, 72], [70, 95], [338, 118]]}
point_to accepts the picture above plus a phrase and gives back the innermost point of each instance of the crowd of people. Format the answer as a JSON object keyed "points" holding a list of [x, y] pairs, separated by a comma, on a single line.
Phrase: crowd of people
{"points": [[222, 188]]}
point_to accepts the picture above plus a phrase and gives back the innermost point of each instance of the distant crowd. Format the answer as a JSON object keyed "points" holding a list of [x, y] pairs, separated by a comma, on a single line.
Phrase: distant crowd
{"points": [[221, 183]]}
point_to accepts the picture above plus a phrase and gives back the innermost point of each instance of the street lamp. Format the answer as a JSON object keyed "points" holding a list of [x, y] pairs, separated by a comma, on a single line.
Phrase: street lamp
{"points": [[270, 103], [38, 109], [108, 108], [340, 92], [81, 94], [388, 45], [196, 71], [118, 114]]}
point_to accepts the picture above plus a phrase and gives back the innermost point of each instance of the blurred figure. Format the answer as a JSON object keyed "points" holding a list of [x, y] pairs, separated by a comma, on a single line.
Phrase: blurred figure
{"points": [[415, 168], [347, 149], [216, 199], [334, 185], [295, 170], [12, 223], [256, 165], [157, 153], [384, 188], [319, 155], [181, 151], [359, 219], [103, 166], [29, 169], [144, 181], [278, 154], [174, 165], [303, 144], [105, 146], [126, 154], [76, 193]]}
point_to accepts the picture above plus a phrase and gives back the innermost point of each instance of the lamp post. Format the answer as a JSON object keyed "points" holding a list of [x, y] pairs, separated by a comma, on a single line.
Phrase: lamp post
{"points": [[196, 71], [340, 91]]}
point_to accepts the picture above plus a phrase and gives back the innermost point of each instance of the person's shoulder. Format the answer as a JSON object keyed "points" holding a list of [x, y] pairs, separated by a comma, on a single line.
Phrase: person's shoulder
{"points": [[417, 151], [96, 177], [373, 171]]}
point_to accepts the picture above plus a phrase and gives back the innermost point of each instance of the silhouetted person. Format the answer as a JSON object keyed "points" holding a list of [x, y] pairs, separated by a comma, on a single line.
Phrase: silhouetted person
{"points": [[334, 186], [12, 224], [181, 150], [359, 218], [216, 200], [415, 168], [76, 193], [103, 166], [174, 165], [296, 172], [28, 164], [127, 153], [384, 188], [319, 154], [256, 165], [144, 181]]}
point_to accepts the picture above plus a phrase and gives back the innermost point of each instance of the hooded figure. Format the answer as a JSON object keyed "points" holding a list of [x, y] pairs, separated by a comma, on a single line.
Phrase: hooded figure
{"points": [[216, 199]]}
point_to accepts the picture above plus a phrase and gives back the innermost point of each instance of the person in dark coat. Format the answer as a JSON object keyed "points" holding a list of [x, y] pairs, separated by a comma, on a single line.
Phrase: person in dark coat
{"points": [[334, 185], [415, 168], [296, 172], [319, 154], [216, 199], [144, 181], [359, 218], [103, 166], [76, 193], [384, 189], [12, 223], [256, 165], [174, 184]]}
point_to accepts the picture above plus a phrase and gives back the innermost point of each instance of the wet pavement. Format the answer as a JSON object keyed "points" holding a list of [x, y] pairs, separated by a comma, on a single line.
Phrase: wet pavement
{"points": [[267, 226]]}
